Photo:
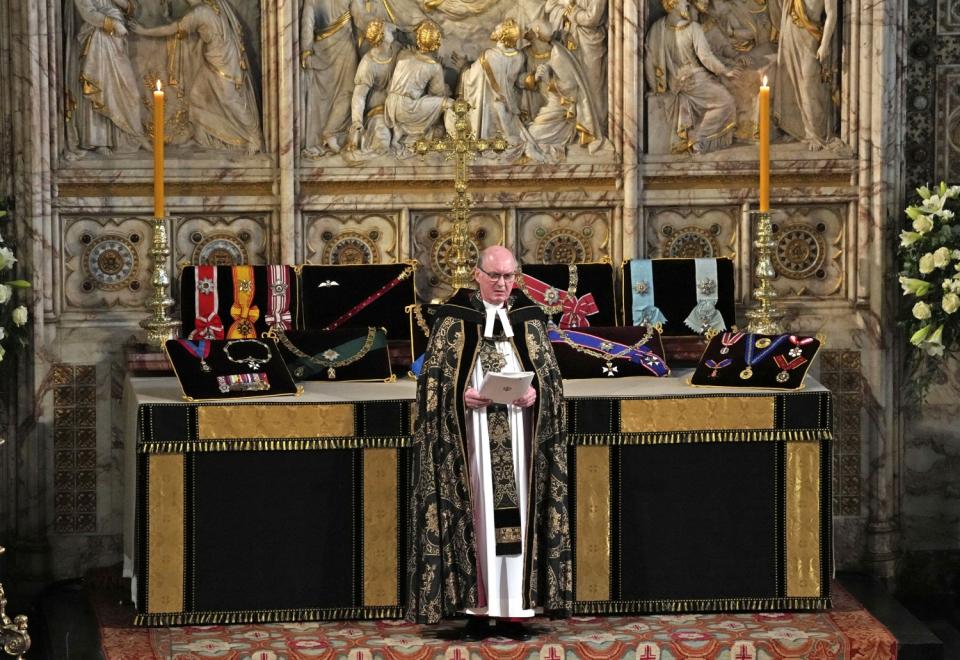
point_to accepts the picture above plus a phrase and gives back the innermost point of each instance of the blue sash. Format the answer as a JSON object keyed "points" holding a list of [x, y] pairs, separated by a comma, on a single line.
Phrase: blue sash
{"points": [[613, 350]]}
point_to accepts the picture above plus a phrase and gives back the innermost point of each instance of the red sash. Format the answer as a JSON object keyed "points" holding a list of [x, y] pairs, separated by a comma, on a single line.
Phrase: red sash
{"points": [[575, 309], [206, 303]]}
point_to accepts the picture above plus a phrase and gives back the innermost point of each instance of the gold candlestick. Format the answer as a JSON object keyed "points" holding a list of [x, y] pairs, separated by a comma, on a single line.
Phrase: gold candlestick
{"points": [[460, 148], [765, 318], [159, 326]]}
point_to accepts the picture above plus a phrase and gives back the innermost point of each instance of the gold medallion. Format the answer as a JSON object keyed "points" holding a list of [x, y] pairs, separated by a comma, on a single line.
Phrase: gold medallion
{"points": [[763, 342], [746, 374]]}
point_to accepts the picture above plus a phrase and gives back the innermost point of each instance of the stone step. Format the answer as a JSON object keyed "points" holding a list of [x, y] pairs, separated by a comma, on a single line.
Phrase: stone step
{"points": [[915, 639]]}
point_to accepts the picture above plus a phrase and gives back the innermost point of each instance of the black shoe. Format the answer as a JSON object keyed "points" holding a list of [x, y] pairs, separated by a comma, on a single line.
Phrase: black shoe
{"points": [[476, 628], [513, 630]]}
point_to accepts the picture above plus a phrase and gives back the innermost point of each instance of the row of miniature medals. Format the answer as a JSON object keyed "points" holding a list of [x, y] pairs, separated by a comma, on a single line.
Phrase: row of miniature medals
{"points": [[757, 350], [249, 352]]}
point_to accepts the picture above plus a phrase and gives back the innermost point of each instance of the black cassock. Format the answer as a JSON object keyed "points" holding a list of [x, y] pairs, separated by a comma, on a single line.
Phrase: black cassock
{"points": [[442, 557]]}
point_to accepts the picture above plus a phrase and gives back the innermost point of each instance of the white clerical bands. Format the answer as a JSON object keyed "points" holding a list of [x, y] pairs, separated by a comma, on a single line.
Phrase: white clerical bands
{"points": [[492, 314]]}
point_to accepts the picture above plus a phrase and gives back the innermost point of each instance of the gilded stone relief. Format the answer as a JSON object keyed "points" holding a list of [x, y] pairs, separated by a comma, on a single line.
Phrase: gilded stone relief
{"points": [[692, 233], [430, 238], [704, 61], [948, 128], [104, 262], [810, 248], [222, 240], [840, 373], [204, 53], [351, 238], [376, 76], [558, 236], [74, 448]]}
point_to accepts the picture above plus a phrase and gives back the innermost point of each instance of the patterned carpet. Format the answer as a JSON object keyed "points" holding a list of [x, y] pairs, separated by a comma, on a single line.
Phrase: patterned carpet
{"points": [[846, 632]]}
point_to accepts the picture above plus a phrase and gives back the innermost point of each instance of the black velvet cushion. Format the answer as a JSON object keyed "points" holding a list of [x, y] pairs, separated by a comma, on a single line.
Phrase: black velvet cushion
{"points": [[675, 292], [330, 294], [612, 351], [593, 279], [198, 383], [225, 297], [775, 361], [341, 355]]}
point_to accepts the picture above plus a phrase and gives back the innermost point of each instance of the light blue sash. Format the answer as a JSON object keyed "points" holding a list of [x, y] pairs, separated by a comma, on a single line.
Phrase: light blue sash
{"points": [[641, 283]]}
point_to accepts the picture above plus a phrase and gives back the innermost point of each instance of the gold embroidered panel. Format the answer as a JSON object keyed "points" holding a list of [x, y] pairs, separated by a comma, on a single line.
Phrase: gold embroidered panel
{"points": [[697, 414], [803, 518], [593, 523], [275, 421], [165, 535], [380, 519]]}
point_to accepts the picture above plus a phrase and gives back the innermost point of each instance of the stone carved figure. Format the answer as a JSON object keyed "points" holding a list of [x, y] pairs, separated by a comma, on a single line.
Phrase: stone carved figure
{"points": [[803, 98], [584, 25], [570, 114], [417, 95], [491, 86], [369, 133], [221, 105], [682, 71], [329, 61], [104, 94]]}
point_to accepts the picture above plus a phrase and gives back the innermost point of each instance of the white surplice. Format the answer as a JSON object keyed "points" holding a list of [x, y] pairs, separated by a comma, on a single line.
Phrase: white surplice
{"points": [[500, 578]]}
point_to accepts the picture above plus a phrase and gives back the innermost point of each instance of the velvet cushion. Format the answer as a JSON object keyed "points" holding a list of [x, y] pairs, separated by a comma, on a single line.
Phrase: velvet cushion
{"points": [[772, 365], [200, 384], [593, 279], [602, 352]]}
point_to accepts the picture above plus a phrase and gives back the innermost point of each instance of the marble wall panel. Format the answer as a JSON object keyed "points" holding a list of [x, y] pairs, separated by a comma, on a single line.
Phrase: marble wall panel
{"points": [[563, 236], [352, 238], [105, 262], [810, 250], [430, 236], [948, 125], [222, 240], [692, 232]]}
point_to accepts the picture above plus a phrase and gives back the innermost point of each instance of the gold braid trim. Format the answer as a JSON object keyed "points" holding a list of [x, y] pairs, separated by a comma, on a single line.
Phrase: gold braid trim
{"points": [[700, 605], [273, 444], [693, 437], [269, 616]]}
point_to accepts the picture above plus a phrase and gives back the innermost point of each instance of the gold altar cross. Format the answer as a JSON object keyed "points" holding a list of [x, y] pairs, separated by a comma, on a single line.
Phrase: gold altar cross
{"points": [[462, 147]]}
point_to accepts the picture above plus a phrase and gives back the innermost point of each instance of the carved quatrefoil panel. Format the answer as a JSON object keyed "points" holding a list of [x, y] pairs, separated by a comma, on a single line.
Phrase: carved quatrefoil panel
{"points": [[222, 240], [352, 238], [430, 238], [808, 256], [563, 236], [106, 262], [692, 233]]}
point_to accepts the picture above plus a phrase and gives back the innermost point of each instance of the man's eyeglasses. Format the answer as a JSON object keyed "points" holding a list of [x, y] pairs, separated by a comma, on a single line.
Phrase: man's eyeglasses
{"points": [[507, 277]]}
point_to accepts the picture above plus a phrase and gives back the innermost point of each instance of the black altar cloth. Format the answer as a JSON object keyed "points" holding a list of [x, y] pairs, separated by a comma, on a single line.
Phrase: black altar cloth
{"points": [[289, 509]]}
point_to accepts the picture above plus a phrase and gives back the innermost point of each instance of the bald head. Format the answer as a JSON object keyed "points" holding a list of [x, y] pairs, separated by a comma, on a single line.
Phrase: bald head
{"points": [[494, 274]]}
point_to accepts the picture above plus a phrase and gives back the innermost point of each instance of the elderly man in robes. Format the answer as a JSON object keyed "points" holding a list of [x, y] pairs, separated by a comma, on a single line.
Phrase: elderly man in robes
{"points": [[418, 94], [489, 521]]}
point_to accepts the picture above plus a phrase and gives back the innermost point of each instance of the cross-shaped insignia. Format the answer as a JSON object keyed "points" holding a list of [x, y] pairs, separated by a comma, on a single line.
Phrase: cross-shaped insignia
{"points": [[641, 287], [244, 285], [205, 285], [330, 354], [610, 369], [707, 286]]}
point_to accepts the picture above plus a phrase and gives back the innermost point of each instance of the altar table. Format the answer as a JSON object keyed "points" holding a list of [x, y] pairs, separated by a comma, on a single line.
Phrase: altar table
{"points": [[682, 499]]}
